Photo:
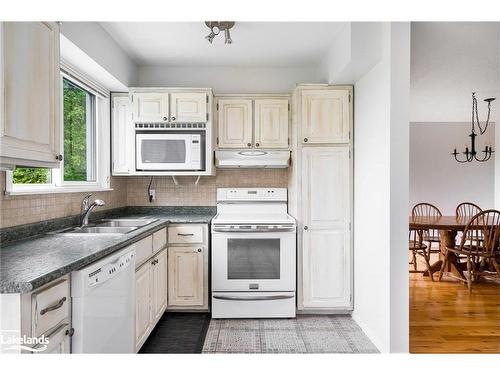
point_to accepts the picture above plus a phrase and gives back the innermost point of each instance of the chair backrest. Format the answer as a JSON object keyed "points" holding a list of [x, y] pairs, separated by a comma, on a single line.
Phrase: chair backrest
{"points": [[482, 233], [467, 209], [425, 209]]}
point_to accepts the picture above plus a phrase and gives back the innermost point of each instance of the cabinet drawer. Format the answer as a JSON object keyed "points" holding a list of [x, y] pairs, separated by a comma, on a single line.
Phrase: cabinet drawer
{"points": [[185, 234], [159, 239], [50, 307], [143, 250]]}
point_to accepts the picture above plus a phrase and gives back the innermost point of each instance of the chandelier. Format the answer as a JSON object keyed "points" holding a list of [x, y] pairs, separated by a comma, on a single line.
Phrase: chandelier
{"points": [[216, 27], [470, 153]]}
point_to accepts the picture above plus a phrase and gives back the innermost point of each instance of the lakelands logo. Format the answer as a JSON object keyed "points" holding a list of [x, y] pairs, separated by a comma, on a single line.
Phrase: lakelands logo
{"points": [[9, 340]]}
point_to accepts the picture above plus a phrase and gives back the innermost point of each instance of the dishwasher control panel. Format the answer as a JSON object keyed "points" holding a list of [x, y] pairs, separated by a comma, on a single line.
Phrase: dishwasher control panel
{"points": [[109, 270]]}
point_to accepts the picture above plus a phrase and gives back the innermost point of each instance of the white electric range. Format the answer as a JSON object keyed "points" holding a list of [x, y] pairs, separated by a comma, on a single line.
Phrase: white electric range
{"points": [[253, 254]]}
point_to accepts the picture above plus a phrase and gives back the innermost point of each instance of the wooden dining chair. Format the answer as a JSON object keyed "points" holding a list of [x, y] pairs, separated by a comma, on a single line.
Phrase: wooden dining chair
{"points": [[466, 210], [417, 247], [479, 247], [431, 235]]}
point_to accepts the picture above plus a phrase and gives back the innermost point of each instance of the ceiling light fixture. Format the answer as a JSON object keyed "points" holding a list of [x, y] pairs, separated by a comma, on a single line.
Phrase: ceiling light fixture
{"points": [[216, 27], [471, 153]]}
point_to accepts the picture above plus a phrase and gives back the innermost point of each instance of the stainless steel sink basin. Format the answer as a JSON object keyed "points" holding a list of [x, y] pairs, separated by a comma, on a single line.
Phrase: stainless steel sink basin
{"points": [[97, 230], [126, 222]]}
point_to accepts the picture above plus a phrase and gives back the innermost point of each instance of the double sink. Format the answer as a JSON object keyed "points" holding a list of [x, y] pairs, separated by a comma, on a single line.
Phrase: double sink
{"points": [[108, 226]]}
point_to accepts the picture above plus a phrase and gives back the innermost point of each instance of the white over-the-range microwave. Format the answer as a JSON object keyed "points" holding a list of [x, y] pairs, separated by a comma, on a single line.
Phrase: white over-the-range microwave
{"points": [[170, 147]]}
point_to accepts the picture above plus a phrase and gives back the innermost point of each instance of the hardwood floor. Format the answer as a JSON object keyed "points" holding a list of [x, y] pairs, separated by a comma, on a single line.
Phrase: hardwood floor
{"points": [[445, 318]]}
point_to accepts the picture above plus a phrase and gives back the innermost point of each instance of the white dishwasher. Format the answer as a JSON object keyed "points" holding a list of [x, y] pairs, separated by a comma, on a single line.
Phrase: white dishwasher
{"points": [[103, 302]]}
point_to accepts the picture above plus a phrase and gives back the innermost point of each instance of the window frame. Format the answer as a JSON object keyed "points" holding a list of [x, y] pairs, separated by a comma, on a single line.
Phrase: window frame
{"points": [[101, 158]]}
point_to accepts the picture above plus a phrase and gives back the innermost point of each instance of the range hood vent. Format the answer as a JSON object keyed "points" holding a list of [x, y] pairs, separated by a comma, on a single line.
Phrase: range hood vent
{"points": [[252, 159]]}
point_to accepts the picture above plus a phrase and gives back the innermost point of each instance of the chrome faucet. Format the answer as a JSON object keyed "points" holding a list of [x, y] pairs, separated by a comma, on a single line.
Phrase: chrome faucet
{"points": [[86, 207]]}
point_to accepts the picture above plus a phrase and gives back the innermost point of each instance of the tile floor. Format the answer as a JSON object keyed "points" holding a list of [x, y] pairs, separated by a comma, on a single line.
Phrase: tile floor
{"points": [[305, 334]]}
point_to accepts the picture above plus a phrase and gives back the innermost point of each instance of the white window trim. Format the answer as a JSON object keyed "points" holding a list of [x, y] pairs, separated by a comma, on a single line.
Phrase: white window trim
{"points": [[102, 157]]}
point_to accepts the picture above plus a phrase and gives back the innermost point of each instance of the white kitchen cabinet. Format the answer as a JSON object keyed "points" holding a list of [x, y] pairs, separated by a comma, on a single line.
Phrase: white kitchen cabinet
{"points": [[159, 269], [45, 312], [150, 295], [30, 110], [325, 215], [150, 107], [122, 133], [271, 123], [188, 107], [325, 116], [185, 276], [59, 341], [143, 293], [235, 123]]}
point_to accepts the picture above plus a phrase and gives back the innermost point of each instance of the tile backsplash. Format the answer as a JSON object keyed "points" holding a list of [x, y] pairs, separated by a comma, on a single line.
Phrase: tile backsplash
{"points": [[23, 209], [186, 193], [132, 191]]}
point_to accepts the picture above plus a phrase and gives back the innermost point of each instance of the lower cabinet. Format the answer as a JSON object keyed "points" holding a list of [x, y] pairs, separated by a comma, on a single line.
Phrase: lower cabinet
{"points": [[185, 276], [188, 267], [151, 296]]}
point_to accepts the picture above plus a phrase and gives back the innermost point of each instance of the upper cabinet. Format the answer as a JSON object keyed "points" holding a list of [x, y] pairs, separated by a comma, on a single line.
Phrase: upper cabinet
{"points": [[253, 123], [188, 107], [170, 107], [325, 116], [150, 107], [30, 83], [122, 130], [271, 123], [235, 123]]}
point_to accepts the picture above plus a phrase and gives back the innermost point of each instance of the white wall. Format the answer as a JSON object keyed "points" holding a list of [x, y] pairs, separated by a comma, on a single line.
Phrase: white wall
{"points": [[92, 39], [355, 50], [381, 193], [228, 79], [436, 177], [450, 60]]}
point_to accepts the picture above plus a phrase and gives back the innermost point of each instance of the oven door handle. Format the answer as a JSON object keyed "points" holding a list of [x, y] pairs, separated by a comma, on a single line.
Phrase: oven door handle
{"points": [[253, 298], [252, 230]]}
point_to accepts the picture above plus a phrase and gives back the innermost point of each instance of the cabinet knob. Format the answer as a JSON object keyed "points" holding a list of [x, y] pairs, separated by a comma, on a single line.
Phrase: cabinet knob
{"points": [[199, 250], [173, 118], [70, 332], [305, 139], [306, 227], [165, 118], [257, 144], [249, 144]]}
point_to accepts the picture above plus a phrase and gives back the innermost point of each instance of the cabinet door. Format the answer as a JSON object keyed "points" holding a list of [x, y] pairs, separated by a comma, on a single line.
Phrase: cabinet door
{"points": [[326, 260], [150, 107], [271, 123], [59, 342], [185, 276], [143, 294], [325, 116], [122, 135], [235, 123], [159, 284], [31, 91], [188, 107]]}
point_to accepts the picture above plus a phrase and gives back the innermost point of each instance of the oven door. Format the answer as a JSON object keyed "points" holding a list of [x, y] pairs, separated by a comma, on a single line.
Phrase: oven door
{"points": [[253, 259], [160, 151]]}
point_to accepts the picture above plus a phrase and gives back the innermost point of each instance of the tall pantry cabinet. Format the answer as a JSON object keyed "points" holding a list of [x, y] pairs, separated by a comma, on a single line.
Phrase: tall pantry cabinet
{"points": [[320, 196]]}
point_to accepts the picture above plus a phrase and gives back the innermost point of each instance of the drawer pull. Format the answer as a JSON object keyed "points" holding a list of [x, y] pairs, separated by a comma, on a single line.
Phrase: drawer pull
{"points": [[53, 307], [185, 234]]}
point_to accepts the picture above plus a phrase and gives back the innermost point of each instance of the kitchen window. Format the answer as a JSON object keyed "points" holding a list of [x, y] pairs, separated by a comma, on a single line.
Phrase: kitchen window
{"points": [[84, 146]]}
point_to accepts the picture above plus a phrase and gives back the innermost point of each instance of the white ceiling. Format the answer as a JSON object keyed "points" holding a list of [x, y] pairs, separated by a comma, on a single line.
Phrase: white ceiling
{"points": [[255, 44]]}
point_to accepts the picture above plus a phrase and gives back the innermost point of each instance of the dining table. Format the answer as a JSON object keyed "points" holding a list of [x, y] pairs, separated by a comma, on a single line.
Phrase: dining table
{"points": [[448, 227]]}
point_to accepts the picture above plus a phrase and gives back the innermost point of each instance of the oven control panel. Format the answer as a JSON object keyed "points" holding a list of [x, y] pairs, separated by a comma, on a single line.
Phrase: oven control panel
{"points": [[256, 194]]}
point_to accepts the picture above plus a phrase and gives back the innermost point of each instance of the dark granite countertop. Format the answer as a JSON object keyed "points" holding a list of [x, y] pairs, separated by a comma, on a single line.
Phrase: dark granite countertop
{"points": [[27, 264]]}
